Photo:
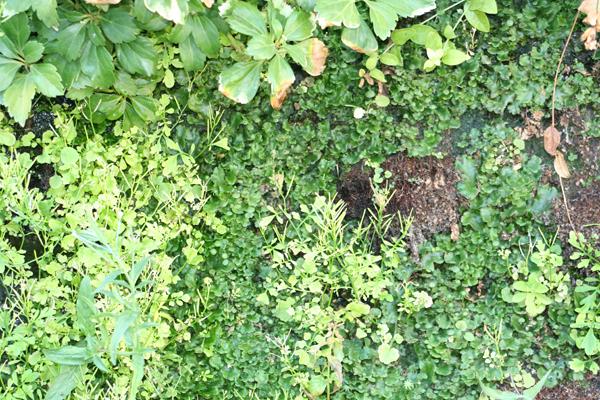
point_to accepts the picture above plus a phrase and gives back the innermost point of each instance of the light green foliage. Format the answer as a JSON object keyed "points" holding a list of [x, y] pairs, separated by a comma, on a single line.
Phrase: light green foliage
{"points": [[542, 283], [528, 394]]}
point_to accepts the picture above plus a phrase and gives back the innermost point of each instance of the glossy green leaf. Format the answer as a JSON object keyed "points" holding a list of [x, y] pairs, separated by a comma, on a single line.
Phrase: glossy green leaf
{"points": [[454, 57], [97, 64], [310, 54], [18, 97], [138, 56], [8, 70], [67, 379], [281, 76], [118, 25], [477, 19], [245, 18], [191, 56], [360, 39], [383, 16], [33, 51], [486, 6], [299, 26], [172, 10], [145, 107], [122, 324], [338, 12], [70, 41], [46, 79], [206, 35], [14, 7], [17, 29], [261, 47], [240, 81], [46, 11], [495, 394], [411, 8]]}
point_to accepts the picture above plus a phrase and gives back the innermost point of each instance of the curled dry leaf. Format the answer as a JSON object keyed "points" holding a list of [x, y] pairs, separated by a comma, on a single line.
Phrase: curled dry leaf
{"points": [[102, 2], [560, 165], [278, 98], [591, 8], [589, 39], [318, 57], [551, 140]]}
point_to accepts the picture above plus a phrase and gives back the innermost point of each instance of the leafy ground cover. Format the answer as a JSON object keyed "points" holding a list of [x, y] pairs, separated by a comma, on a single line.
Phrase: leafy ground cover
{"points": [[160, 241]]}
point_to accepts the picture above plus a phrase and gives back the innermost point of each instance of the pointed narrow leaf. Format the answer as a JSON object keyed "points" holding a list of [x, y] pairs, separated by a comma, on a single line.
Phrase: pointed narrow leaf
{"points": [[533, 391], [86, 308], [46, 79], [477, 19], [311, 54], [62, 386], [122, 324], [18, 97], [495, 394], [46, 12], [240, 81], [69, 355], [281, 76], [137, 364]]}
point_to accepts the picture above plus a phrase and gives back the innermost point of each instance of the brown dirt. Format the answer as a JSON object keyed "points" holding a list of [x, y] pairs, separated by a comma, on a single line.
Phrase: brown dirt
{"points": [[582, 190], [586, 390], [423, 188]]}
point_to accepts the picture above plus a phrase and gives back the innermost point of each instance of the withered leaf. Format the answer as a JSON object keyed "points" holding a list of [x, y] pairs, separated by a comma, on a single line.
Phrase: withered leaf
{"points": [[592, 9], [208, 3], [551, 140], [560, 166]]}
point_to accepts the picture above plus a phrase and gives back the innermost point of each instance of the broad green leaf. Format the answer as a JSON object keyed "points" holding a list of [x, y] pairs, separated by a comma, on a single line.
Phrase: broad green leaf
{"points": [[261, 47], [69, 355], [240, 81], [46, 79], [454, 57], [284, 310], [310, 54], [316, 386], [69, 156], [8, 48], [118, 25], [449, 32], [338, 12], [487, 6], [383, 16], [144, 106], [191, 56], [46, 12], [477, 19], [70, 41], [172, 10], [357, 309], [14, 7], [433, 41], [392, 57], [299, 26], [577, 365], [33, 51], [86, 308], [417, 34], [590, 343], [67, 379], [97, 64], [387, 354], [110, 106], [360, 39], [533, 391], [17, 29], [281, 76], [206, 35], [18, 97], [122, 324], [8, 70], [245, 18], [382, 100], [411, 8], [137, 56], [7, 138]]}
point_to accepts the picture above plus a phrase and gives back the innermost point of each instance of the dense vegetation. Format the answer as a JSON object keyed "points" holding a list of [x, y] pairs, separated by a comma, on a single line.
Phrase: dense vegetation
{"points": [[158, 240]]}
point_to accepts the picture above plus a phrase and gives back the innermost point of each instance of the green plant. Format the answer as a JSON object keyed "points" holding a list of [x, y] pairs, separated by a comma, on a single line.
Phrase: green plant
{"points": [[586, 328], [544, 283], [528, 394]]}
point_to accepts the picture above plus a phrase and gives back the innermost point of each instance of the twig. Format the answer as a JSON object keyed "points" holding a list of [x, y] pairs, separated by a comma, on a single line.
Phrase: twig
{"points": [[560, 61], [562, 188]]}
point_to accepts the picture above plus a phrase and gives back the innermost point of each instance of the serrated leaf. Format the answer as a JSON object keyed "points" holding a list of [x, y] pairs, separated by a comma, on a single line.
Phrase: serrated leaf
{"points": [[172, 10], [8, 70], [14, 7], [70, 41], [281, 76], [46, 12], [97, 64], [360, 39], [33, 51], [65, 382], [299, 26], [383, 16], [46, 79], [240, 81], [137, 56], [119, 26], [338, 12], [205, 34], [310, 54], [17, 29], [590, 343], [245, 18], [261, 47], [18, 97]]}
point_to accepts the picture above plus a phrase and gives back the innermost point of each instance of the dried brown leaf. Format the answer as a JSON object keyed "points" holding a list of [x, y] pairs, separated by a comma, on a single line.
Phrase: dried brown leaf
{"points": [[592, 9], [318, 57], [551, 140], [589, 39], [560, 166], [278, 98]]}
